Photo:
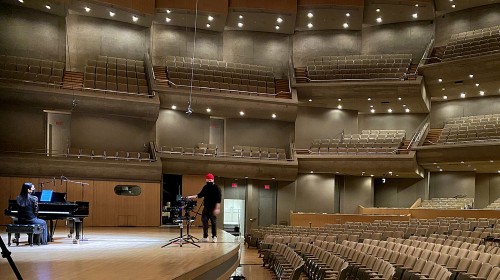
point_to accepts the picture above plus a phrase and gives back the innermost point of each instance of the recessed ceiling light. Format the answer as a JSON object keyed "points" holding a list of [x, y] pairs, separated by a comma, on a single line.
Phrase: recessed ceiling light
{"points": [[453, 6], [372, 110], [242, 113], [48, 7], [339, 106], [168, 19], [345, 25], [21, 1], [440, 80], [440, 169], [471, 76], [208, 25], [310, 15], [169, 11], [210, 18], [134, 18], [87, 9], [462, 95], [498, 171], [209, 110], [371, 175], [416, 5], [407, 110], [310, 25], [277, 27], [477, 84], [273, 178], [389, 110], [174, 107], [310, 100], [443, 89], [481, 92], [240, 24], [415, 15], [404, 105], [240, 16], [273, 116], [399, 98], [312, 172], [445, 97], [379, 19], [111, 14], [279, 20], [371, 106], [347, 14], [377, 10], [451, 0], [340, 99], [492, 161], [369, 98], [462, 162]]}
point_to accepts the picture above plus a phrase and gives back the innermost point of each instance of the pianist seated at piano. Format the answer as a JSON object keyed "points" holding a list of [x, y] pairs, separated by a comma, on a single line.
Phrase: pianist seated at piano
{"points": [[28, 210]]}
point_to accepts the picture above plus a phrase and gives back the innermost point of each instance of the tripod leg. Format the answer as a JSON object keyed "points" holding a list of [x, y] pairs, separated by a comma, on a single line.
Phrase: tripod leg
{"points": [[6, 254]]}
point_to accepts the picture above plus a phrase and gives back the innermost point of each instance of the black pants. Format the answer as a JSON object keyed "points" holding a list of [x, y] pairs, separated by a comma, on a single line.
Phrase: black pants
{"points": [[208, 214]]}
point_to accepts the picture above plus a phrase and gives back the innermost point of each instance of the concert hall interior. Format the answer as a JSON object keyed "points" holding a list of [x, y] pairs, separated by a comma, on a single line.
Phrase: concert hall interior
{"points": [[330, 126]]}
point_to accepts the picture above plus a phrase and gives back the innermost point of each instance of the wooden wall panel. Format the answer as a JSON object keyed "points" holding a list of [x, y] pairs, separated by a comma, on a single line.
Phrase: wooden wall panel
{"points": [[192, 184], [4, 198]]}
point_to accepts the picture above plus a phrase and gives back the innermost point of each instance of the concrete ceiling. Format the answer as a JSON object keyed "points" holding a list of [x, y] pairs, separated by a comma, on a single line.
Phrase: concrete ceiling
{"points": [[393, 11], [446, 6], [262, 21]]}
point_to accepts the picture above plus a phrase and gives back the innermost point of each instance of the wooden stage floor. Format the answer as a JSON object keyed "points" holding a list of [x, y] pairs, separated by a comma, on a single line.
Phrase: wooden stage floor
{"points": [[123, 253]]}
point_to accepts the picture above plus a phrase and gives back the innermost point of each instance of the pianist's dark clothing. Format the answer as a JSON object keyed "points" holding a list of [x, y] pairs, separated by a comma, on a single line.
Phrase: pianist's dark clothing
{"points": [[26, 214]]}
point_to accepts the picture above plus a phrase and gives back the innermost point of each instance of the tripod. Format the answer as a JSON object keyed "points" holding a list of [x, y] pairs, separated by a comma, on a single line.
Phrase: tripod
{"points": [[6, 255], [184, 238]]}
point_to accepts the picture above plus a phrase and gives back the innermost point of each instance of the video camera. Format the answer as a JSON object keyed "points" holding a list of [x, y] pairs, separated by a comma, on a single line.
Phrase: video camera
{"points": [[186, 203]]}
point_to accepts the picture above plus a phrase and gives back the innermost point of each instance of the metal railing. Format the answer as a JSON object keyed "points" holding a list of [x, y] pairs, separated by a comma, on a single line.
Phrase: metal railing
{"points": [[222, 155]]}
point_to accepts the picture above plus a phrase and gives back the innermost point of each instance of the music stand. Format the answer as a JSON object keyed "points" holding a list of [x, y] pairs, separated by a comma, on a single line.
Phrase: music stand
{"points": [[184, 238]]}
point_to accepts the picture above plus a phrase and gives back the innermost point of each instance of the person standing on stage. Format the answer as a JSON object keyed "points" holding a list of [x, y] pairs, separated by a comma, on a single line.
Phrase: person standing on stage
{"points": [[212, 198], [28, 209]]}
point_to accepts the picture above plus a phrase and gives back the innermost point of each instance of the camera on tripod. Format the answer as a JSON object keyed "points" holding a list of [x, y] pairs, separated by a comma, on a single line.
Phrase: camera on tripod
{"points": [[186, 203]]}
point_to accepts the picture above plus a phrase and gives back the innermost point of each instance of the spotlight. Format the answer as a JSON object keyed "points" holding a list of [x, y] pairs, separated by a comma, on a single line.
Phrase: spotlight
{"points": [[345, 25], [372, 110], [279, 20], [240, 25], [348, 15], [477, 84], [273, 116], [471, 76], [377, 10], [168, 19], [383, 180], [453, 6], [310, 15], [169, 11], [21, 1], [415, 15], [277, 27], [310, 100], [462, 95], [440, 80], [111, 14], [174, 107], [242, 113], [379, 19], [481, 92], [369, 98], [407, 110], [135, 19], [339, 107], [209, 110], [309, 25], [87, 9], [210, 18], [48, 7], [389, 110], [208, 25], [240, 17], [399, 98], [445, 97]]}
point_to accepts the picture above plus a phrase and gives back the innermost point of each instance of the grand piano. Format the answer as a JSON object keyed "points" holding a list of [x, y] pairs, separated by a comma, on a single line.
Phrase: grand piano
{"points": [[57, 209]]}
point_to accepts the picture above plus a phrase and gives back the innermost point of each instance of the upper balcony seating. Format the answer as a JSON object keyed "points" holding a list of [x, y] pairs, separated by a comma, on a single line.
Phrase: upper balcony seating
{"points": [[369, 141], [448, 203], [31, 69], [494, 205], [249, 152], [102, 154], [471, 129], [201, 149], [116, 74], [220, 76], [357, 67], [473, 43]]}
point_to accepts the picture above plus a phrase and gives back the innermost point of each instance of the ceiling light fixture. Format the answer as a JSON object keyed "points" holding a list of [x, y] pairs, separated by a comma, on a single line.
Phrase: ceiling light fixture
{"points": [[389, 110], [209, 110], [174, 107], [347, 14], [415, 15], [310, 100], [440, 80], [462, 95], [371, 106], [310, 15], [445, 97], [111, 14], [407, 110], [210, 18], [379, 19], [279, 20], [242, 113], [169, 11], [377, 10], [345, 25], [477, 84], [399, 98], [168, 19], [240, 24], [339, 107], [416, 5], [372, 111], [21, 1], [48, 7], [240, 17], [481, 92], [312, 172], [208, 25], [87, 9], [441, 169], [135, 19], [340, 99], [471, 76], [273, 116], [277, 27], [369, 98], [309, 25], [453, 6]]}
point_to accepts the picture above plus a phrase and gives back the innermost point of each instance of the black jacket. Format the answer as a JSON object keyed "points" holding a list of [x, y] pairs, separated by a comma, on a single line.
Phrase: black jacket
{"points": [[212, 194]]}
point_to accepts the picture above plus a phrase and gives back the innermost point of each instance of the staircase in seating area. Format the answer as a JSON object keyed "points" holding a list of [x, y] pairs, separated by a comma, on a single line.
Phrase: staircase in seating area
{"points": [[160, 75], [72, 80], [282, 90], [300, 75], [404, 147], [433, 136], [436, 54], [412, 70]]}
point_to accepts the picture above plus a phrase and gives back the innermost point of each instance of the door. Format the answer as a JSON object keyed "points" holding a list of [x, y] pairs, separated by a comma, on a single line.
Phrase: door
{"points": [[234, 214], [217, 133], [58, 131], [267, 205]]}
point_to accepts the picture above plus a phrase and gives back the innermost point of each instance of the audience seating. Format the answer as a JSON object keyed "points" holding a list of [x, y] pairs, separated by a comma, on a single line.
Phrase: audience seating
{"points": [[494, 205], [471, 129], [220, 76], [102, 154], [116, 75], [368, 142], [473, 43], [201, 149], [448, 203], [249, 152], [31, 69], [357, 67]]}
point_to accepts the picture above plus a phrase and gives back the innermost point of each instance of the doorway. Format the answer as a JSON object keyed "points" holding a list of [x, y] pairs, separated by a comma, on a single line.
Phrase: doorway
{"points": [[234, 215], [58, 132], [217, 133]]}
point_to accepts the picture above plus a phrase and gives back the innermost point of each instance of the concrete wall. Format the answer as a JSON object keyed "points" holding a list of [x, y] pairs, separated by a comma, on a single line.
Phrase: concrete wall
{"points": [[171, 40], [312, 123], [405, 37], [269, 49], [110, 133], [260, 133], [315, 193], [175, 128], [356, 191], [465, 20], [398, 193], [90, 37], [441, 111], [408, 122], [487, 189], [285, 201], [450, 184], [22, 128], [326, 42], [30, 33]]}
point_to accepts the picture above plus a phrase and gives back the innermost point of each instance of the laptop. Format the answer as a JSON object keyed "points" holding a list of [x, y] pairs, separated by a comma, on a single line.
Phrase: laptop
{"points": [[46, 195]]}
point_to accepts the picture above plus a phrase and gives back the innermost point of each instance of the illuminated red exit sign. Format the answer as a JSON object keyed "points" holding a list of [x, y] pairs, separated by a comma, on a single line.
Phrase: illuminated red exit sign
{"points": [[267, 187]]}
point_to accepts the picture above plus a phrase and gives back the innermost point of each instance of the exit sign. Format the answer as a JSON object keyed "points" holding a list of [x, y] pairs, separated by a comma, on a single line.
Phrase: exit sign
{"points": [[234, 185], [267, 187]]}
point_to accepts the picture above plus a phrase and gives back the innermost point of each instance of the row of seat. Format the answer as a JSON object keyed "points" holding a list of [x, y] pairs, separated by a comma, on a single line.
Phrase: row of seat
{"points": [[359, 59], [219, 63], [261, 74], [201, 149], [471, 129], [254, 152], [284, 262], [223, 87], [494, 205], [478, 33], [396, 73], [33, 64], [448, 203], [103, 154], [473, 43], [31, 77], [219, 76], [116, 60]]}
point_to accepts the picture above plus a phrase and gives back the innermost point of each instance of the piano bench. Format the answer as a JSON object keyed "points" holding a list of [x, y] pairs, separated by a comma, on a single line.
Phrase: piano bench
{"points": [[30, 229]]}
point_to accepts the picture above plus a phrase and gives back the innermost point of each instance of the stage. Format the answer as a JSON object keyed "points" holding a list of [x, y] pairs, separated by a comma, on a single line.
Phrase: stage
{"points": [[123, 253]]}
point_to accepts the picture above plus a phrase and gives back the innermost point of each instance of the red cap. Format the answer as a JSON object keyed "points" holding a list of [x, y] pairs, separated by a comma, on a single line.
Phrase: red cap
{"points": [[209, 176]]}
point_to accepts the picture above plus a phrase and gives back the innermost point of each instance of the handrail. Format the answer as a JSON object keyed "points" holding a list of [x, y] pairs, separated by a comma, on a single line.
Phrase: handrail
{"points": [[152, 150], [291, 73], [67, 155], [419, 132], [222, 155], [149, 71], [426, 53]]}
